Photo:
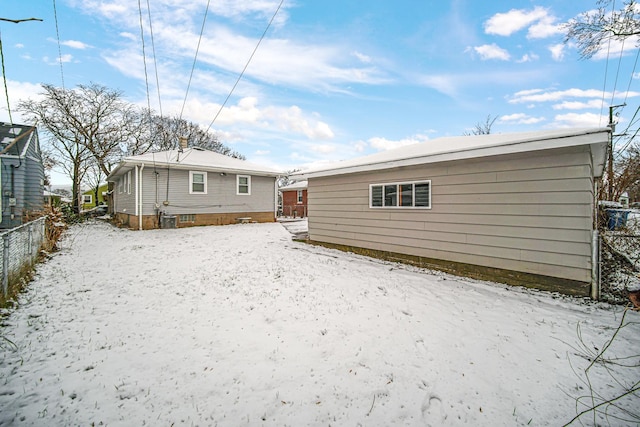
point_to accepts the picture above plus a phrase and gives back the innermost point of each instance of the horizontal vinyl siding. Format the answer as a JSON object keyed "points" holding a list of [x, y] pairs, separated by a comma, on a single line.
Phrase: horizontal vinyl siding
{"points": [[527, 212], [33, 185], [221, 194]]}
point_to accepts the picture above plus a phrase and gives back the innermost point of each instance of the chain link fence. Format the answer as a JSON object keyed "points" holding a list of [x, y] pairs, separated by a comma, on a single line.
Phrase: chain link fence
{"points": [[620, 261], [20, 249]]}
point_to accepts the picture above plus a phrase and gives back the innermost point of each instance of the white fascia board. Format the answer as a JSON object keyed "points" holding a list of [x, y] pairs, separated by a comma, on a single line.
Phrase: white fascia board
{"points": [[594, 139]]}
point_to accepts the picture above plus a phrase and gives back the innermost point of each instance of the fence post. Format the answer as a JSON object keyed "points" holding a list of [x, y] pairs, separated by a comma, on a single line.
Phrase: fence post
{"points": [[596, 253], [5, 264], [30, 238]]}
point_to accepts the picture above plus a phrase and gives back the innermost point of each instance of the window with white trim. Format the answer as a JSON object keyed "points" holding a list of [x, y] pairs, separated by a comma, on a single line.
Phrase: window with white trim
{"points": [[120, 184], [244, 185], [87, 199], [128, 183], [197, 182], [300, 196], [406, 195]]}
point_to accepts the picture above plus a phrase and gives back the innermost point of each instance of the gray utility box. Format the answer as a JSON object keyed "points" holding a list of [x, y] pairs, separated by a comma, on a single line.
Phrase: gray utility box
{"points": [[168, 221]]}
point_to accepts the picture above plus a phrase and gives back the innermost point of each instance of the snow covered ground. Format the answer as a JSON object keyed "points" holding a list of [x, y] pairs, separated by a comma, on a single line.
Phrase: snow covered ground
{"points": [[240, 325]]}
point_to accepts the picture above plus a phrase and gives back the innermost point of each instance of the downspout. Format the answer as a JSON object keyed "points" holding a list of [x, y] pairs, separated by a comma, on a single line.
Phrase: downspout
{"points": [[135, 190], [275, 198], [140, 196], [595, 248]]}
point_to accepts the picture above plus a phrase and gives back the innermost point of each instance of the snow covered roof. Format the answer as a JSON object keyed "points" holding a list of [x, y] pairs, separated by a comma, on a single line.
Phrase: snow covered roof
{"points": [[468, 147], [300, 185], [192, 158]]}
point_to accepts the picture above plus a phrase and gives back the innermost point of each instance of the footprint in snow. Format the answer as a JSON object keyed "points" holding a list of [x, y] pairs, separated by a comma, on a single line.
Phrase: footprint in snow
{"points": [[432, 411]]}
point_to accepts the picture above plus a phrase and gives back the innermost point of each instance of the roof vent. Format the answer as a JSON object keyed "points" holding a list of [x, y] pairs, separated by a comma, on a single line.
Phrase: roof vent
{"points": [[198, 148]]}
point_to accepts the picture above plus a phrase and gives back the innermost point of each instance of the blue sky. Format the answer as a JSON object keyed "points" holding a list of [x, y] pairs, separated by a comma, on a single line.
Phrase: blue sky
{"points": [[333, 79]]}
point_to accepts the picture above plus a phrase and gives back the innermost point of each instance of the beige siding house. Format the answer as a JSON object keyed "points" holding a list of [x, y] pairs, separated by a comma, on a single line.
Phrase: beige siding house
{"points": [[517, 208], [191, 187]]}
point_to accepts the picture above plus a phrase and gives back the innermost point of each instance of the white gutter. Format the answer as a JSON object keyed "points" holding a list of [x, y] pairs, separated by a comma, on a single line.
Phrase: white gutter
{"points": [[140, 196]]}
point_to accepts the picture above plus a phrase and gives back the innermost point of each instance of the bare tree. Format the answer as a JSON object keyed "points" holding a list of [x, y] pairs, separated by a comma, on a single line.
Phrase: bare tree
{"points": [[482, 128], [164, 133], [89, 123], [592, 29]]}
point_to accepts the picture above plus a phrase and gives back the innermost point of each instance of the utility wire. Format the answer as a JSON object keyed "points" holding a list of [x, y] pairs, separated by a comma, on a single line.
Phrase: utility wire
{"points": [[606, 71], [195, 58], [4, 78], [155, 62], [615, 82], [246, 66], [144, 58], [55, 17]]}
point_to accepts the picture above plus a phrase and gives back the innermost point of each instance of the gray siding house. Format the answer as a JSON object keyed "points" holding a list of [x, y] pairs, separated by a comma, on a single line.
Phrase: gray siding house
{"points": [[183, 188], [516, 208], [21, 174]]}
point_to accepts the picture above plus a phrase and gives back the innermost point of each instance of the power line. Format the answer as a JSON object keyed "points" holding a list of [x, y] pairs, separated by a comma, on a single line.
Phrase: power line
{"points": [[195, 58], [155, 62], [606, 71], [144, 57], [4, 78], [246, 66], [55, 17]]}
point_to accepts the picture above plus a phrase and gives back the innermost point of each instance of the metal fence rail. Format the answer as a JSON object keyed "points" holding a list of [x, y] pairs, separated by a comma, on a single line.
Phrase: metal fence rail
{"points": [[20, 247]]}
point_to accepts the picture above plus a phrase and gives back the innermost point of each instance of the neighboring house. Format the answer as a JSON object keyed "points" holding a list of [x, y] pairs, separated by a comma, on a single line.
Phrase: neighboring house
{"points": [[21, 174], [294, 199], [88, 198], [190, 187], [54, 199], [517, 208]]}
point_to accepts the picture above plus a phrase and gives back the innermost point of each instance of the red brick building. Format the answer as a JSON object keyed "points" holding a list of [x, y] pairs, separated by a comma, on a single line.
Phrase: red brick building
{"points": [[294, 199]]}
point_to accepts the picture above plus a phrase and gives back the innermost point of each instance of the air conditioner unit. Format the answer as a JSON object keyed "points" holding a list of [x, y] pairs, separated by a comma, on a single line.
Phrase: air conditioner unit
{"points": [[168, 221]]}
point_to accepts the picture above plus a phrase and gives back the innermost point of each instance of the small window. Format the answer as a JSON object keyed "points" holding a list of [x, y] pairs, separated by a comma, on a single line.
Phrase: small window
{"points": [[300, 196], [197, 182], [187, 218], [401, 195], [244, 185], [120, 184], [87, 199], [128, 182]]}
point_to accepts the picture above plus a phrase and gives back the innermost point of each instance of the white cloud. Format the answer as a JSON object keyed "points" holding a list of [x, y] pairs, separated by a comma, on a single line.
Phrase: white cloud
{"points": [[546, 27], [18, 91], [322, 148], [382, 144], [538, 95], [557, 51], [580, 120], [365, 59], [505, 24], [492, 51], [75, 44], [360, 146], [292, 62], [577, 105], [528, 58], [521, 119], [617, 47], [57, 60], [19, 45], [262, 152]]}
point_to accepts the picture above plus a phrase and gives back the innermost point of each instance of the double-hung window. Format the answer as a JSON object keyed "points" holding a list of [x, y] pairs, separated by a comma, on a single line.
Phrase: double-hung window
{"points": [[197, 182], [244, 185], [408, 195], [87, 199], [300, 196]]}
